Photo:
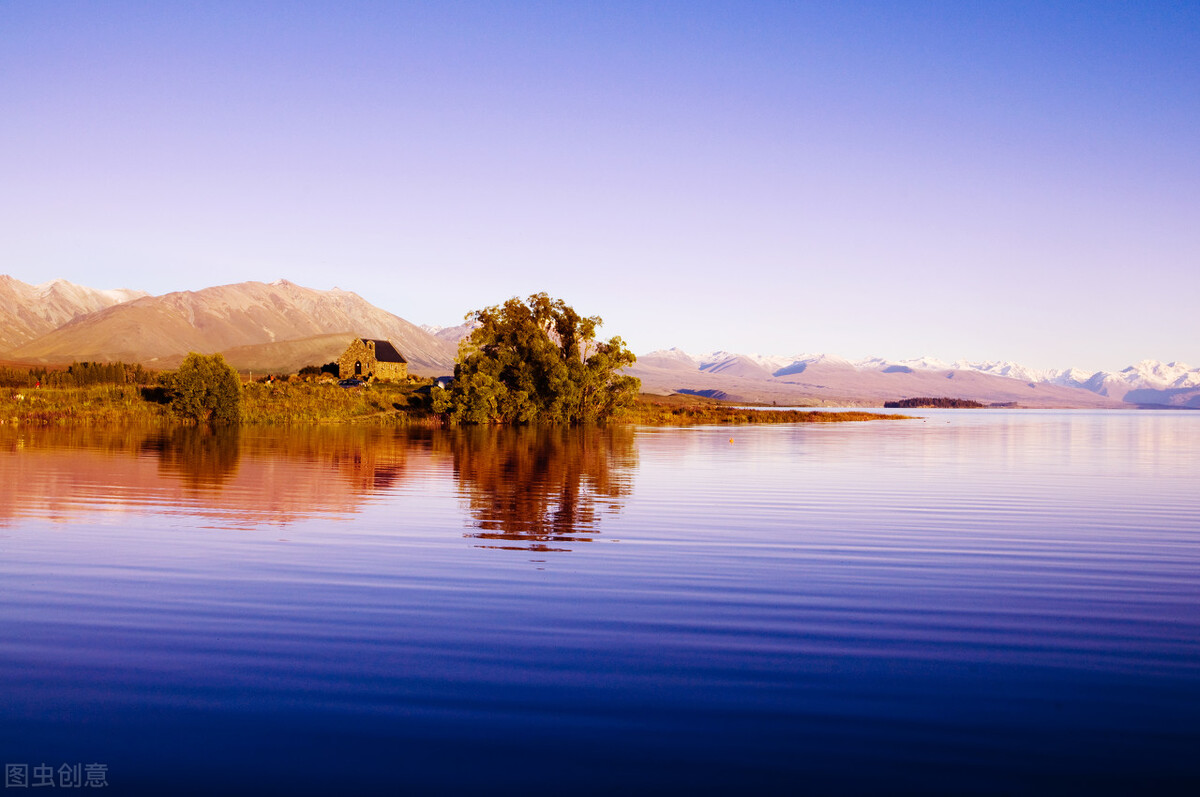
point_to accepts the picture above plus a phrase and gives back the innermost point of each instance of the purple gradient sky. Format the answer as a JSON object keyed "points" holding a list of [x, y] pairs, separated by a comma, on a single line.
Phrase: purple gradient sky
{"points": [[963, 180]]}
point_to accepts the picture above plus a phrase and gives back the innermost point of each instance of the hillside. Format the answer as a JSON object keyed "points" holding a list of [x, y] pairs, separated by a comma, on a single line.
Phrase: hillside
{"points": [[289, 356], [158, 330], [28, 312]]}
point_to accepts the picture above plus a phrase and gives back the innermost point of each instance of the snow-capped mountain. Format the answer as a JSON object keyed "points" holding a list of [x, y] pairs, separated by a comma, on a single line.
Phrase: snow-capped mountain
{"points": [[1149, 382], [451, 334], [1009, 369], [1155, 374]]}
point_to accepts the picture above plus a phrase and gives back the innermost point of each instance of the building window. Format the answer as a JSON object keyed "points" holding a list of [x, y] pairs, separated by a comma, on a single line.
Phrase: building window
{"points": [[358, 368]]}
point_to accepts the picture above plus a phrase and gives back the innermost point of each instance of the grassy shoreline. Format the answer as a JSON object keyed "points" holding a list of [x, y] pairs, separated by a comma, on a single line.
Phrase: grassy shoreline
{"points": [[679, 410], [314, 403]]}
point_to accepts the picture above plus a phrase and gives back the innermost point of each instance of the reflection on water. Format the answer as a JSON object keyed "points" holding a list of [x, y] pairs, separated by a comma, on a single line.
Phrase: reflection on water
{"points": [[532, 489], [974, 603], [201, 457], [537, 488], [234, 478]]}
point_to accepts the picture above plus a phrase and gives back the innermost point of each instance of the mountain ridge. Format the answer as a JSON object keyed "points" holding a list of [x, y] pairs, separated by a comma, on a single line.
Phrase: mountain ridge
{"points": [[29, 311], [281, 326], [157, 329], [1149, 382]]}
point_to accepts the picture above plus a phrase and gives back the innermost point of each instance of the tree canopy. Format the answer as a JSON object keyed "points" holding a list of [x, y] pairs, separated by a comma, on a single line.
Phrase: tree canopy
{"points": [[206, 389], [537, 361]]}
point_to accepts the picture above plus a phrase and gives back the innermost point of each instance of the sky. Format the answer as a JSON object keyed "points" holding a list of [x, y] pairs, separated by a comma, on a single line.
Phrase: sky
{"points": [[984, 181]]}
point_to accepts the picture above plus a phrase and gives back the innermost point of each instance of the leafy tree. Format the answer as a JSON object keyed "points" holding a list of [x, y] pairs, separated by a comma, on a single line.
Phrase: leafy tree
{"points": [[206, 389], [538, 361]]}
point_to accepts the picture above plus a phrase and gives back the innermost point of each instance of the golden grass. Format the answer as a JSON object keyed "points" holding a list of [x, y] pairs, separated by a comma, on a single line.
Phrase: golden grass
{"points": [[96, 405], [677, 411], [313, 403]]}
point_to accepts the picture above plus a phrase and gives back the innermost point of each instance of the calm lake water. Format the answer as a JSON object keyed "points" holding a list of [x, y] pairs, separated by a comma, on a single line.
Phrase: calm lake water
{"points": [[991, 602]]}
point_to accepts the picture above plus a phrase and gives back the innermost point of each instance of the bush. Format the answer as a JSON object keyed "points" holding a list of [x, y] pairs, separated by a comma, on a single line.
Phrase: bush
{"points": [[206, 389]]}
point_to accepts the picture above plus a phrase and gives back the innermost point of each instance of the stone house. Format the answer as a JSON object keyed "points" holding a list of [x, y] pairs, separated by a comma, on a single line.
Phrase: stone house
{"points": [[377, 359]]}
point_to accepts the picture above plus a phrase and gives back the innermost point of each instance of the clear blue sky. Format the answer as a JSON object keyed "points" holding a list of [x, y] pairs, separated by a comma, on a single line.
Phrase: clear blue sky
{"points": [[975, 180]]}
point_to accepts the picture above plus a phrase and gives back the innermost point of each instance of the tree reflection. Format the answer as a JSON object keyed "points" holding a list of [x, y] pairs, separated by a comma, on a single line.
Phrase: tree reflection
{"points": [[367, 460], [533, 489], [530, 488], [203, 457]]}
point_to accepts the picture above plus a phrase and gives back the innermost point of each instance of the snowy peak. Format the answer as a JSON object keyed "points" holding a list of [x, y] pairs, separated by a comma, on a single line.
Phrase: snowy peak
{"points": [[1159, 375], [1147, 382], [1072, 377], [902, 366], [452, 334], [78, 299], [735, 364]]}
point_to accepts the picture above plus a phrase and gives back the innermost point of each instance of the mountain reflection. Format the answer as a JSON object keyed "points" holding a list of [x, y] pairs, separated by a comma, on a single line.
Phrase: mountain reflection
{"points": [[531, 488]]}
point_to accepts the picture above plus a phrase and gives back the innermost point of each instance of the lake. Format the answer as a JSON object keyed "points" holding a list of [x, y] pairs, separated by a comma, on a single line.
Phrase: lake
{"points": [[974, 602]]}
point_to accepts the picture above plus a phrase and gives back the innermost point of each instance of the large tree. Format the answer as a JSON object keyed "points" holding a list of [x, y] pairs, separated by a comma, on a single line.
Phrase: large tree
{"points": [[206, 389], [538, 361]]}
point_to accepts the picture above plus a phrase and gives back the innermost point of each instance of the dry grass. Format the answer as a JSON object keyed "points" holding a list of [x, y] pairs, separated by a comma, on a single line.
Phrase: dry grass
{"points": [[677, 410], [312, 403], [97, 405]]}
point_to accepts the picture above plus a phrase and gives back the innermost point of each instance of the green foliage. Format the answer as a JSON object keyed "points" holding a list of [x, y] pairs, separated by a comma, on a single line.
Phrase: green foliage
{"points": [[942, 403], [317, 371], [440, 399], [206, 389], [15, 377], [537, 361], [77, 374]]}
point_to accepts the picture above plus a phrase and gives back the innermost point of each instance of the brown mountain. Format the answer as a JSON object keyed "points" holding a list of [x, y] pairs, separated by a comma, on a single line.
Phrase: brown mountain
{"points": [[29, 311], [158, 330]]}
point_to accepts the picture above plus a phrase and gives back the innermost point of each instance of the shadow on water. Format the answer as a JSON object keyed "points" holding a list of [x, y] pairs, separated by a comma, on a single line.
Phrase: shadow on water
{"points": [[536, 488]]}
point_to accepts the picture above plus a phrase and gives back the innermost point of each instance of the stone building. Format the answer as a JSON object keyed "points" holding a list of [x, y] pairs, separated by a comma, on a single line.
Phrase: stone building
{"points": [[377, 359]]}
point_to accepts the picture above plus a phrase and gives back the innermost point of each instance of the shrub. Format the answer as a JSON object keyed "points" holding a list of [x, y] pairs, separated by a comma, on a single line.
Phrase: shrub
{"points": [[206, 389]]}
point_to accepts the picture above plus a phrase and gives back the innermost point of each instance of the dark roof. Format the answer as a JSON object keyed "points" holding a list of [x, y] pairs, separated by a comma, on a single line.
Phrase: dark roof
{"points": [[385, 352]]}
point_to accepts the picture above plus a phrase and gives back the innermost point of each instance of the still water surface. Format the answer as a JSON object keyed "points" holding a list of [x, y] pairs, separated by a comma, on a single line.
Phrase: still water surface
{"points": [[977, 602]]}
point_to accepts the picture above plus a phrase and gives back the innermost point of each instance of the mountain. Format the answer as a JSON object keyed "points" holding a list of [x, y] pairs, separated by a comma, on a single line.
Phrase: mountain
{"points": [[1148, 382], [29, 311], [281, 357], [742, 365], [451, 334], [282, 326], [669, 360], [828, 379], [158, 330]]}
